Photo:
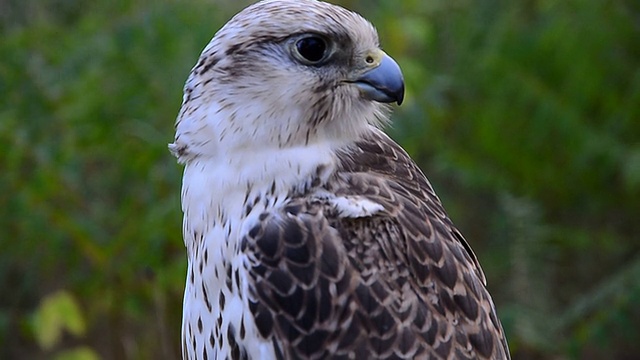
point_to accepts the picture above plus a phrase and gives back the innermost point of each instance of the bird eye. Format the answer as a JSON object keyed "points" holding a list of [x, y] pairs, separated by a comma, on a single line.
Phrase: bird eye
{"points": [[312, 48]]}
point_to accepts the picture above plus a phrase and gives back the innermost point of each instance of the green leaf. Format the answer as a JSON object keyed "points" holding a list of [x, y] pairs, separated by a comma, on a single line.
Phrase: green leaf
{"points": [[57, 312], [79, 353]]}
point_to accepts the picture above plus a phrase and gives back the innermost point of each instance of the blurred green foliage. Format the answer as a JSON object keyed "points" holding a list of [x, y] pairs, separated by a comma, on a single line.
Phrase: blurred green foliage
{"points": [[525, 116]]}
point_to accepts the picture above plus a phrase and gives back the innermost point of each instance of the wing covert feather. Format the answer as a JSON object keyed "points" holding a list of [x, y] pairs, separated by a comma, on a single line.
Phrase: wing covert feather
{"points": [[401, 284]]}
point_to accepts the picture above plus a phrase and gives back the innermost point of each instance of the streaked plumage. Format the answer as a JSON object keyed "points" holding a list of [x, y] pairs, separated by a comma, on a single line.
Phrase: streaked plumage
{"points": [[309, 232]]}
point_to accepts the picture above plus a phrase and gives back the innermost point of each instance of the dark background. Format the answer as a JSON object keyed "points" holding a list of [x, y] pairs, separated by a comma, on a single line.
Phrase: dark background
{"points": [[525, 115]]}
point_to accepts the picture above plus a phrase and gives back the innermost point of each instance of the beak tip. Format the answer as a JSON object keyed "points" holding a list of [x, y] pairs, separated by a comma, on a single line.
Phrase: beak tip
{"points": [[400, 97]]}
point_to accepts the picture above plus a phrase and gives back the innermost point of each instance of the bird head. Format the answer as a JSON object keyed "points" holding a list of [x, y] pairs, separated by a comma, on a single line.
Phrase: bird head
{"points": [[284, 74]]}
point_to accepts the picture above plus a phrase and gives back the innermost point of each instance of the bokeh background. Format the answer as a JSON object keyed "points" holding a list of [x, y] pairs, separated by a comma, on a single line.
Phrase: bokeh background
{"points": [[525, 115]]}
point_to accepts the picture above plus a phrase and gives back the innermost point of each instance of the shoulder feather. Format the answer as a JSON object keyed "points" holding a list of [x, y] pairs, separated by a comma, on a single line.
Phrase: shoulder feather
{"points": [[400, 283]]}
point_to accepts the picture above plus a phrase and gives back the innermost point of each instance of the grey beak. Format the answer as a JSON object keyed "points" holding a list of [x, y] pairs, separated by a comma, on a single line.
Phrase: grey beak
{"points": [[384, 83]]}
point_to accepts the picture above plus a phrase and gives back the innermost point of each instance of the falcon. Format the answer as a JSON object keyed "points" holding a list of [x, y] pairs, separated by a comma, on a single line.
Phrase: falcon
{"points": [[310, 234]]}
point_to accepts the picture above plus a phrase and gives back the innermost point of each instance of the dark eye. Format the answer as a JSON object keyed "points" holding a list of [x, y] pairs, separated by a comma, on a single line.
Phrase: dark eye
{"points": [[312, 48]]}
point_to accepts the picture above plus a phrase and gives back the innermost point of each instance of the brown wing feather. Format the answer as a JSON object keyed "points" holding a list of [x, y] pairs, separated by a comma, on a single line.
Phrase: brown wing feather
{"points": [[402, 284]]}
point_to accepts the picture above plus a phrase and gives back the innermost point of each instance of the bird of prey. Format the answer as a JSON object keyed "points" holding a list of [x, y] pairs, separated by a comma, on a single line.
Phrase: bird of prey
{"points": [[310, 234]]}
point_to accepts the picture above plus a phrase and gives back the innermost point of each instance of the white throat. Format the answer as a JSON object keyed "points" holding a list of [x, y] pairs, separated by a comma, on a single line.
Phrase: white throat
{"points": [[218, 192]]}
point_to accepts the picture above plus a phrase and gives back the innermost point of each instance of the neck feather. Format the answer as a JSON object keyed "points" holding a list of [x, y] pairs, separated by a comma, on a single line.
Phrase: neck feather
{"points": [[227, 192]]}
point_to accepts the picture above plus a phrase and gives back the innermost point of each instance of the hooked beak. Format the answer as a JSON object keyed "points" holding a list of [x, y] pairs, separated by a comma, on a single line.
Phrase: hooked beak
{"points": [[383, 83]]}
